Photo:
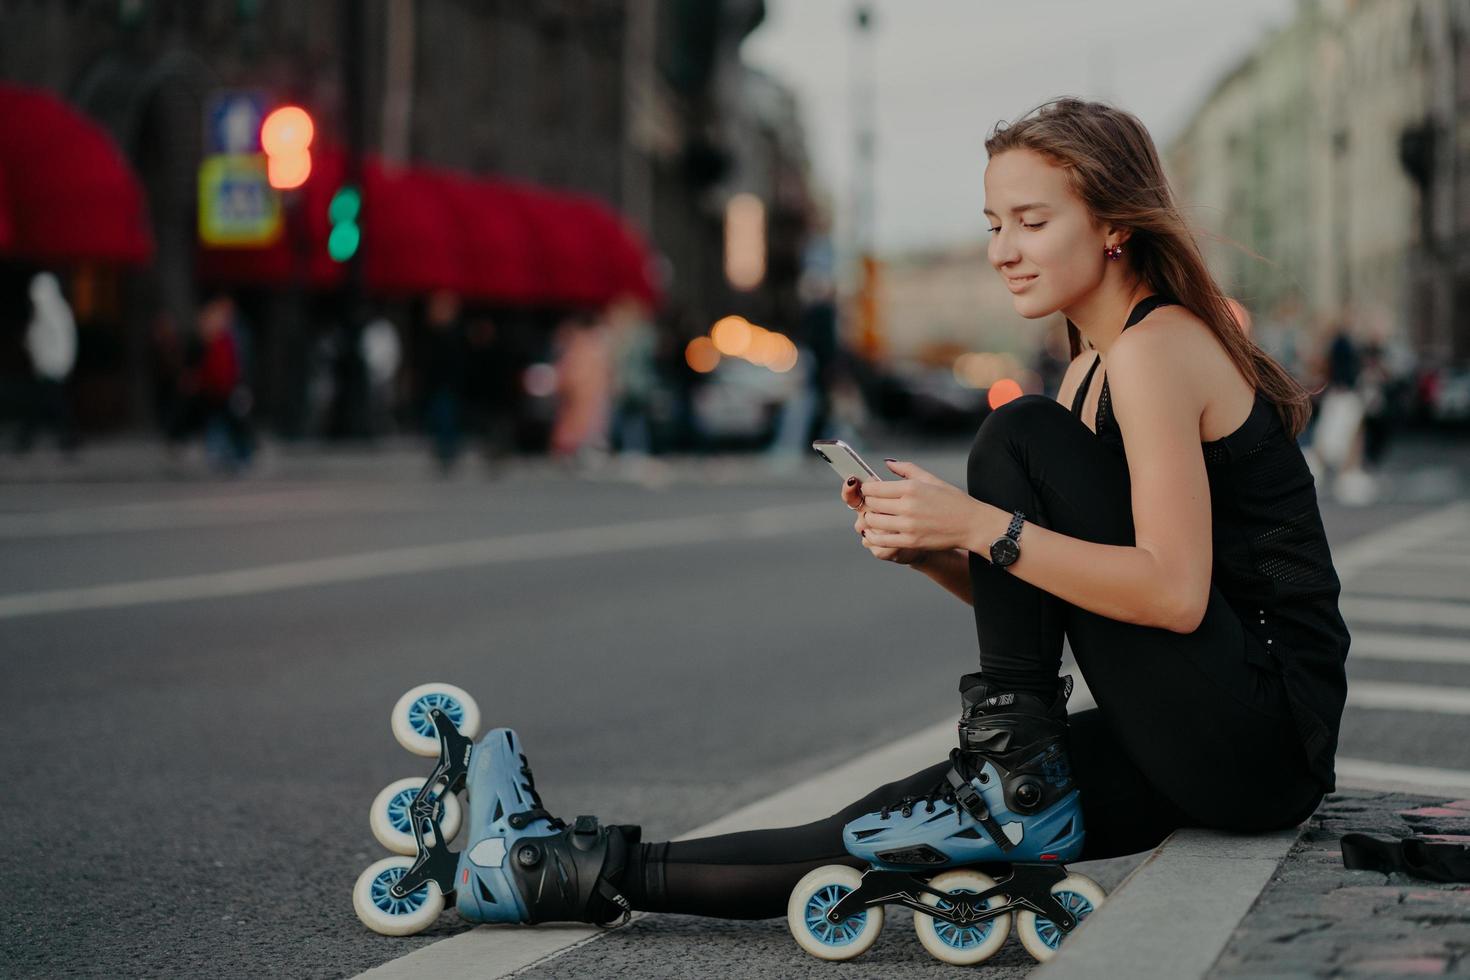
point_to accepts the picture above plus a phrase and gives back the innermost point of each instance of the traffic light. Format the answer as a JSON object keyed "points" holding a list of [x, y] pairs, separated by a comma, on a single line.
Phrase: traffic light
{"points": [[343, 213], [285, 136]]}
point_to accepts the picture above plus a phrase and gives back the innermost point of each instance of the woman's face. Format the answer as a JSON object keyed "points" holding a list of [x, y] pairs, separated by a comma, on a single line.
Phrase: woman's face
{"points": [[1040, 229]]}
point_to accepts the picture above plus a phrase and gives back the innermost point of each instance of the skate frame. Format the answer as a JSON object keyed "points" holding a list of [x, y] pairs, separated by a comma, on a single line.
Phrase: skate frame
{"points": [[1028, 886], [435, 862]]}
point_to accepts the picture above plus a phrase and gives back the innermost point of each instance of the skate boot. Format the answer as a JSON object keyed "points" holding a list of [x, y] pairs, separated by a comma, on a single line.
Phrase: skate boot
{"points": [[520, 864], [1007, 802]]}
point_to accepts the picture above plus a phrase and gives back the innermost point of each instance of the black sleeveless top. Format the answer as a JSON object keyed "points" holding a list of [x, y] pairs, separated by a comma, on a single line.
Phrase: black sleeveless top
{"points": [[1271, 560]]}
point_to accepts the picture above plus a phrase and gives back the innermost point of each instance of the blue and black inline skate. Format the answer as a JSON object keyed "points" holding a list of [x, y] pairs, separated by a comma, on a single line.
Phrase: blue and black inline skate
{"points": [[1007, 807], [519, 863]]}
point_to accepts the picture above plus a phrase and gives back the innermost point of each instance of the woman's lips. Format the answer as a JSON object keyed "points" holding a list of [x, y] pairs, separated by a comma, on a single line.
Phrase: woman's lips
{"points": [[1018, 284]]}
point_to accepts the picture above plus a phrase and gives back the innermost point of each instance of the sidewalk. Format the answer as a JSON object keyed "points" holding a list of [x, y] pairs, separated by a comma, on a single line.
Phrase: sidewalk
{"points": [[1216, 906], [1315, 918]]}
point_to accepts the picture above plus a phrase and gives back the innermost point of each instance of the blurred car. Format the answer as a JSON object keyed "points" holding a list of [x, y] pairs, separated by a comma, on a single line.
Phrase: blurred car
{"points": [[739, 404]]}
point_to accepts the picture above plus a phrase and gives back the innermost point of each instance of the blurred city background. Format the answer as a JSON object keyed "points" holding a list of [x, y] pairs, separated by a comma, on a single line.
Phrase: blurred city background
{"points": [[665, 227], [346, 346]]}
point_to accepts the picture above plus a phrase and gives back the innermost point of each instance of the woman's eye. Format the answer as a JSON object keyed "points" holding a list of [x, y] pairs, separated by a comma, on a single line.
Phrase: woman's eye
{"points": [[994, 230], [1033, 227]]}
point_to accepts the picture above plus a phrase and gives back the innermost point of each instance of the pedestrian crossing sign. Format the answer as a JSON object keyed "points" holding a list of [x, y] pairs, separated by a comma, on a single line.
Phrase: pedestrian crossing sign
{"points": [[237, 205]]}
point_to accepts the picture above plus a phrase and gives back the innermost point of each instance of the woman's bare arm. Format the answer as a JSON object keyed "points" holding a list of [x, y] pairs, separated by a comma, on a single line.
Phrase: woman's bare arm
{"points": [[1163, 579], [950, 569]]}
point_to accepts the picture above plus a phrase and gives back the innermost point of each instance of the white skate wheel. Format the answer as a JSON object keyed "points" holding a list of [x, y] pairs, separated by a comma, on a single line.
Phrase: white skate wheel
{"points": [[381, 912], [390, 821], [414, 729], [806, 914], [962, 945], [1042, 938]]}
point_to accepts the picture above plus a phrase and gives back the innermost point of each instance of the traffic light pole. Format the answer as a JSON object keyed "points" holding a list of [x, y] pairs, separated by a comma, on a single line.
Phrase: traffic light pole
{"points": [[350, 412]]}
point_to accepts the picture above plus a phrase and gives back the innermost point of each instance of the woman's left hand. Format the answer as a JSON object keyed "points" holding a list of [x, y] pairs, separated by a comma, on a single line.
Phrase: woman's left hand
{"points": [[918, 511]]}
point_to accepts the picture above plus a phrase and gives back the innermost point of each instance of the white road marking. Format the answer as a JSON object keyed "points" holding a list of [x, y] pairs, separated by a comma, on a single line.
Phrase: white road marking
{"points": [[1392, 582], [1368, 774], [418, 559], [1372, 550], [1409, 697], [1404, 612], [1408, 647]]}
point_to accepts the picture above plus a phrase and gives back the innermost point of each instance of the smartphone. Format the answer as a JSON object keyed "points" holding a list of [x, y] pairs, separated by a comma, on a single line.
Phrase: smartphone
{"points": [[844, 459]]}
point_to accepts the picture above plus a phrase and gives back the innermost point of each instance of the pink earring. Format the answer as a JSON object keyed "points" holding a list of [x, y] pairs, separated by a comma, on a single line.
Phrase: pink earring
{"points": [[1114, 252]]}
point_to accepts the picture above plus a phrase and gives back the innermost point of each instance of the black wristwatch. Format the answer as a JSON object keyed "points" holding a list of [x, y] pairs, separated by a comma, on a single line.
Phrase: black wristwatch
{"points": [[1005, 549]]}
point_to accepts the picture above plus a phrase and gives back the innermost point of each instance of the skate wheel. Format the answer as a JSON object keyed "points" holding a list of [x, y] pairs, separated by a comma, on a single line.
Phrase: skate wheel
{"points": [[962, 945], [389, 816], [806, 914], [413, 727], [383, 913], [1042, 938]]}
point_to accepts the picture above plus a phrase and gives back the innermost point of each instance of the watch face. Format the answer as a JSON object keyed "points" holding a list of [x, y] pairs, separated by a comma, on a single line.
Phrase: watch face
{"points": [[1004, 551]]}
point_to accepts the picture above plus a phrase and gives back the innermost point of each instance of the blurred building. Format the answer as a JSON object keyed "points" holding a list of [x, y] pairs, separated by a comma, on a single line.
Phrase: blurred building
{"points": [[643, 104], [939, 301], [1339, 151]]}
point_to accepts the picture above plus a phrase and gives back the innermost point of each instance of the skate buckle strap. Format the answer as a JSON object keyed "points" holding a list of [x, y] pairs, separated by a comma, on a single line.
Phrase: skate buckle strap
{"points": [[969, 798]]}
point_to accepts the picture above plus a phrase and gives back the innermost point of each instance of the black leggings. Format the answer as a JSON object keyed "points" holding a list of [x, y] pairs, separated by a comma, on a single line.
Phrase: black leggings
{"points": [[1190, 730]]}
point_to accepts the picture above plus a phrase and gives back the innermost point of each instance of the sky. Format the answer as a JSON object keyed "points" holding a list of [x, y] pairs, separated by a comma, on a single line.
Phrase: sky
{"points": [[948, 70]]}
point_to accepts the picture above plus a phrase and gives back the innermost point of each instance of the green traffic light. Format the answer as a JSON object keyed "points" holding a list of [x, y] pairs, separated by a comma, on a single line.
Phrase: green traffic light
{"points": [[343, 241], [346, 205]]}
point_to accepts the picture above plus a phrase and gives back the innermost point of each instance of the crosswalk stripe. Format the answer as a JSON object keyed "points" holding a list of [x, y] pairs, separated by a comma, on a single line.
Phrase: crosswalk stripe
{"points": [[1424, 560], [1405, 612], [1409, 697], [1368, 774], [1418, 649], [1420, 585]]}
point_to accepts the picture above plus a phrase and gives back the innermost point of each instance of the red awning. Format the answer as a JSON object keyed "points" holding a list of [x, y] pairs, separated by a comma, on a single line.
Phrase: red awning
{"points": [[495, 239], [409, 240], [426, 229], [71, 194]]}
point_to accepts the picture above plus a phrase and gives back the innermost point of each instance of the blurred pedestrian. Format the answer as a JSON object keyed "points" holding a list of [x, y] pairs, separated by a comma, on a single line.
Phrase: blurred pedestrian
{"points": [[584, 372], [51, 341], [382, 352], [635, 376], [1337, 437], [214, 393], [444, 375]]}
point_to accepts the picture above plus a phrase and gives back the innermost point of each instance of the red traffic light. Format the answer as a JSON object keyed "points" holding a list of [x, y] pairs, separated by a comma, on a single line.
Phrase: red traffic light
{"points": [[286, 136]]}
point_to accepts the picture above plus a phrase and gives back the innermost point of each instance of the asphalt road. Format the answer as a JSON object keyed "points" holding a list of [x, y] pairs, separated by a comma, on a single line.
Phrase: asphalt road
{"points": [[188, 762]]}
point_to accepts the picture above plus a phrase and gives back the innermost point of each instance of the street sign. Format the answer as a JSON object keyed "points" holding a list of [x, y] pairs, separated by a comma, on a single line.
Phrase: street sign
{"points": [[232, 122], [237, 205]]}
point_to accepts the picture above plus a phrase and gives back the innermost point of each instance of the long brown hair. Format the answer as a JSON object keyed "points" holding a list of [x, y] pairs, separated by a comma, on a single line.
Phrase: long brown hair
{"points": [[1112, 165]]}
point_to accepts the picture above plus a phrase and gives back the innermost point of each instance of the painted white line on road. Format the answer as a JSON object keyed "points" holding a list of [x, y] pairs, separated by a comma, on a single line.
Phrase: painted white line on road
{"points": [[1409, 697], [1391, 583], [1424, 560], [1407, 647], [167, 515], [418, 559], [1368, 774], [1373, 550], [1404, 612]]}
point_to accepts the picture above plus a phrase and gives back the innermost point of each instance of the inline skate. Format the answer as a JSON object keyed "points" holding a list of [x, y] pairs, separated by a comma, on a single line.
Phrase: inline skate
{"points": [[1007, 806], [519, 863]]}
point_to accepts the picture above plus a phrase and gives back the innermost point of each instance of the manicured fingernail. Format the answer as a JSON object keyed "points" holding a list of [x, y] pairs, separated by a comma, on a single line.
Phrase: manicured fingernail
{"points": [[852, 481], [889, 459]]}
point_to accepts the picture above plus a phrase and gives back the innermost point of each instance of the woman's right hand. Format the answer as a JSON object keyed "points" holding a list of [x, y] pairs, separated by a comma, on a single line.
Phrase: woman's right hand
{"points": [[852, 496]]}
